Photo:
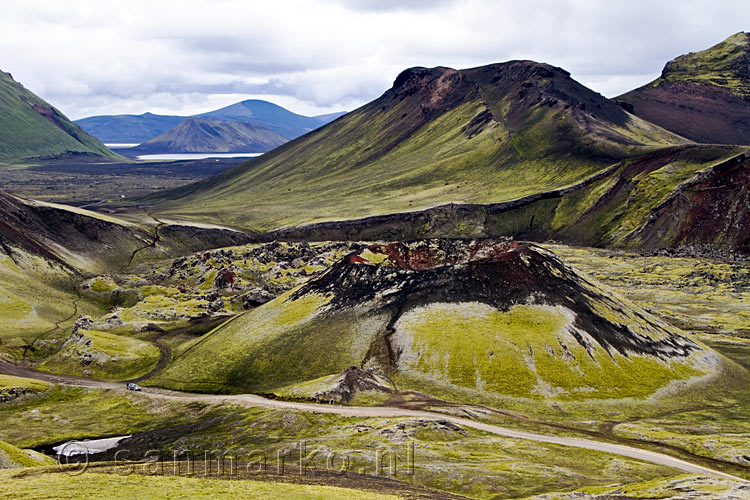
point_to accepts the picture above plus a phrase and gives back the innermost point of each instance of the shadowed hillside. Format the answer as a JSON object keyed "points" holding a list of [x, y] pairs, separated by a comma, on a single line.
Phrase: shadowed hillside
{"points": [[81, 240]]}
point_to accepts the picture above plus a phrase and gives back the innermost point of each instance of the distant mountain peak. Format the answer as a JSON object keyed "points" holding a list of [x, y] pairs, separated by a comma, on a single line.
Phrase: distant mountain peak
{"points": [[146, 126], [207, 135]]}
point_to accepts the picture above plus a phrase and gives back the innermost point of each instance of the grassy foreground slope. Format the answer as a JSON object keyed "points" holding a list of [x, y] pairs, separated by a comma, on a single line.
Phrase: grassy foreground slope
{"points": [[57, 486], [32, 129], [701, 95], [12, 457], [439, 135]]}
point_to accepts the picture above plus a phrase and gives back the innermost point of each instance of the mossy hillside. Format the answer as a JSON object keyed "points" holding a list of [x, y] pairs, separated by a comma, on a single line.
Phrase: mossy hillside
{"points": [[103, 355], [38, 303], [564, 337], [12, 457], [701, 95], [273, 346], [13, 387], [632, 204], [175, 293], [615, 210], [721, 65], [38, 295], [17, 309], [727, 442], [652, 188], [398, 154], [528, 350], [103, 284], [31, 129], [446, 456], [167, 309], [72, 238], [308, 388], [58, 486], [68, 413], [27, 384]]}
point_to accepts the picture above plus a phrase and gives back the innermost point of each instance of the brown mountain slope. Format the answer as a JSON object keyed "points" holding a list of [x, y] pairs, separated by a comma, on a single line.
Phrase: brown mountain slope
{"points": [[704, 96]]}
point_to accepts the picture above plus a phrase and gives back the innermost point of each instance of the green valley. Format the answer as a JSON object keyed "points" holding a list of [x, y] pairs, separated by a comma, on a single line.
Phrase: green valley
{"points": [[486, 283]]}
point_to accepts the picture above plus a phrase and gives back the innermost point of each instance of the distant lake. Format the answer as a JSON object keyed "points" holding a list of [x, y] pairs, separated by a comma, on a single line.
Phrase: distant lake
{"points": [[118, 145], [196, 156]]}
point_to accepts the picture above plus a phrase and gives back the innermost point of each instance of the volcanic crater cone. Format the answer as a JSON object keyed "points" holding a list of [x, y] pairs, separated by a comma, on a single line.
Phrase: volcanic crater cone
{"points": [[493, 317]]}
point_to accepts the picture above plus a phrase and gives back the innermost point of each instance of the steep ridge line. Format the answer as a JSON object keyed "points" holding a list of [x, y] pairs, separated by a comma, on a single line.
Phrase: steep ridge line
{"points": [[252, 400]]}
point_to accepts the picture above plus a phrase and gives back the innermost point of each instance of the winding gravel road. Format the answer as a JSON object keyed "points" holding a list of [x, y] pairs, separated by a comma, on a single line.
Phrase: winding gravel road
{"points": [[252, 400]]}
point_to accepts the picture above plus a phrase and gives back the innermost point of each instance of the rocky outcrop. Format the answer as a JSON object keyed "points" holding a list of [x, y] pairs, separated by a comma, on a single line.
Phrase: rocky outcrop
{"points": [[352, 381]]}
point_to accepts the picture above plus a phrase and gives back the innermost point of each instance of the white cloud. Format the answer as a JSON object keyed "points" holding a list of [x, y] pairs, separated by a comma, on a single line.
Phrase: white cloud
{"points": [[91, 57]]}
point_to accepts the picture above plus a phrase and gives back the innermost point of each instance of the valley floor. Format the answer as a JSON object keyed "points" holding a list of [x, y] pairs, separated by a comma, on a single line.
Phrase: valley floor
{"points": [[91, 184], [497, 448]]}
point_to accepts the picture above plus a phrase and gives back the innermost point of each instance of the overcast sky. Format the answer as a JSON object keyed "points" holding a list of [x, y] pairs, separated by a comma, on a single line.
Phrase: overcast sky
{"points": [[188, 56]]}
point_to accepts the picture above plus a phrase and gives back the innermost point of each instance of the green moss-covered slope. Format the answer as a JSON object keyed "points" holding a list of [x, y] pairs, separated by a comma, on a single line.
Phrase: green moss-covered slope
{"points": [[102, 355], [12, 457], [491, 317], [723, 65], [116, 487], [439, 135], [31, 129]]}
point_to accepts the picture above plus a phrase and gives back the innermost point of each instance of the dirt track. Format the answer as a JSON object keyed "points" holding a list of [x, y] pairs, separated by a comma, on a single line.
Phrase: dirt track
{"points": [[252, 400]]}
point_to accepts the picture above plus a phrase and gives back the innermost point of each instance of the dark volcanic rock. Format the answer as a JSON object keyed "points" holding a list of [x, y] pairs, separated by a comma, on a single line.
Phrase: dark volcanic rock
{"points": [[497, 273], [354, 380]]}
